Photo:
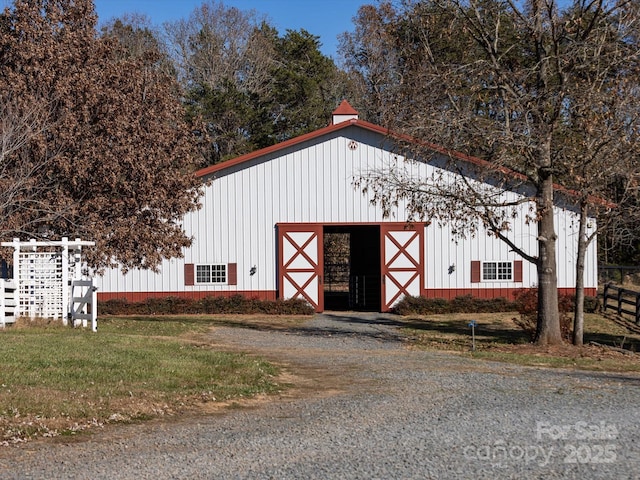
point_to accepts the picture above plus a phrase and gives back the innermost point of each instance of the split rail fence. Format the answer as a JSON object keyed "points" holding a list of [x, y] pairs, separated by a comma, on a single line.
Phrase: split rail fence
{"points": [[622, 301]]}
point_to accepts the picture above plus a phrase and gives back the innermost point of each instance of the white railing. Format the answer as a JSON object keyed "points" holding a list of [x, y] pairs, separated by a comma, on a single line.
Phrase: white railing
{"points": [[8, 302], [84, 304], [43, 272]]}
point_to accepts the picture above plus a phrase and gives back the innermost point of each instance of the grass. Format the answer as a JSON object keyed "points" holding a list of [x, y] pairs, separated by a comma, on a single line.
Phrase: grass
{"points": [[58, 380], [498, 338]]}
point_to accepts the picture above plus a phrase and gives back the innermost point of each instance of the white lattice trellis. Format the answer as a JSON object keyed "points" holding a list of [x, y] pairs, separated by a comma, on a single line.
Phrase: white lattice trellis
{"points": [[44, 271]]}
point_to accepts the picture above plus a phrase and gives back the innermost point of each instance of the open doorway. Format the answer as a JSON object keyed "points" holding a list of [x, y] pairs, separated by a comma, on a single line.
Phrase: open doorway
{"points": [[352, 274]]}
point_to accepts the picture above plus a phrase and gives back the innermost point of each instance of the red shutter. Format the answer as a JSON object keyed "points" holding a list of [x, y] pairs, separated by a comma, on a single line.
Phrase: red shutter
{"points": [[475, 271], [232, 273], [517, 271], [189, 274]]}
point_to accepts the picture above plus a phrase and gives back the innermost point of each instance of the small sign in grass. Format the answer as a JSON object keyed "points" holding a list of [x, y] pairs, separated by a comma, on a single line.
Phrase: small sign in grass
{"points": [[495, 336]]}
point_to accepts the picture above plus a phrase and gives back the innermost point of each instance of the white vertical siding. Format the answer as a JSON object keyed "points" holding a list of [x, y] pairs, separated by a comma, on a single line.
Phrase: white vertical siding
{"points": [[442, 251], [313, 182]]}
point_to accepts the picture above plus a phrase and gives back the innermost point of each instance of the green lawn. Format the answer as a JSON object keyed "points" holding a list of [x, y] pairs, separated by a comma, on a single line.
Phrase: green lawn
{"points": [[497, 337], [58, 380]]}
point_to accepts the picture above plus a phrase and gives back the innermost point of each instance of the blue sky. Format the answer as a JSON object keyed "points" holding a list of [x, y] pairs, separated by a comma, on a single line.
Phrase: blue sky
{"points": [[325, 18]]}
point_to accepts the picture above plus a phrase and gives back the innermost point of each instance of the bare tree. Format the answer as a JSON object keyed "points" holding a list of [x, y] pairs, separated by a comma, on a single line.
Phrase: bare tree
{"points": [[251, 86], [218, 44], [370, 55], [499, 79], [600, 126], [21, 192]]}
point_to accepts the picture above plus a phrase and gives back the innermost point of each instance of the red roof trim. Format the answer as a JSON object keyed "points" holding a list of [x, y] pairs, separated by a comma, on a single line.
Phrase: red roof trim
{"points": [[339, 126], [383, 131], [345, 108], [274, 148]]}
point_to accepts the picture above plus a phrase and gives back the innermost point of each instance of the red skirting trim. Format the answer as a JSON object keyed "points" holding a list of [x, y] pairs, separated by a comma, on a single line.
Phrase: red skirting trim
{"points": [[447, 294], [142, 296], [508, 293]]}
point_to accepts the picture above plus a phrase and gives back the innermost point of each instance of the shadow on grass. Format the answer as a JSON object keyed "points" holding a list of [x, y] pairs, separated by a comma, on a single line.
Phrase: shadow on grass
{"points": [[376, 326], [195, 319], [486, 332], [372, 325], [623, 342], [334, 324], [351, 324], [589, 375], [453, 329], [623, 322], [343, 324]]}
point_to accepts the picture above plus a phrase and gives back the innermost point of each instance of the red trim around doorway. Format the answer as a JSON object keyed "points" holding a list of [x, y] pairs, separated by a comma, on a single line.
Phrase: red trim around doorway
{"points": [[316, 266], [386, 267]]}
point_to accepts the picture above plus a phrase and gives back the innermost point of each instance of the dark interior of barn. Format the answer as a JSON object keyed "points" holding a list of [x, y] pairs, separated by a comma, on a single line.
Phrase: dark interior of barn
{"points": [[352, 267]]}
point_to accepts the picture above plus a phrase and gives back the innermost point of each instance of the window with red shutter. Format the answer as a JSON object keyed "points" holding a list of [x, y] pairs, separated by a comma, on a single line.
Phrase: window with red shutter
{"points": [[517, 271], [232, 273], [475, 271], [189, 274]]}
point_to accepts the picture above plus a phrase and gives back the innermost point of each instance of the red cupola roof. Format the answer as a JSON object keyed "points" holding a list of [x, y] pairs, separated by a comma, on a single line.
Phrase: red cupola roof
{"points": [[343, 113]]}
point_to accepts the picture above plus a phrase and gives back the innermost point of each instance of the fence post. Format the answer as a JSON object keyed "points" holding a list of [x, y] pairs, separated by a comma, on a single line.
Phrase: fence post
{"points": [[65, 280], [18, 276], [620, 301], [77, 259], [94, 308], [3, 311], [605, 295], [637, 308], [87, 299]]}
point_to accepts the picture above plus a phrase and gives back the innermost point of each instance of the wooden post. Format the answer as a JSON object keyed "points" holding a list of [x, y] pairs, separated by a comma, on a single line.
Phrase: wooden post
{"points": [[31, 299], [605, 296], [8, 306], [637, 308], [619, 301], [78, 260]]}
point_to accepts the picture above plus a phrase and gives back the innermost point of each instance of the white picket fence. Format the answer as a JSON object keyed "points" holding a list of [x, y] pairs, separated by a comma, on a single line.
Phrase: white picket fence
{"points": [[8, 302]]}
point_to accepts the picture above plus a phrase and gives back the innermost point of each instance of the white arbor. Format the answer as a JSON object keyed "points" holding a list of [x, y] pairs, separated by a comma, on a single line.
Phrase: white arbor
{"points": [[46, 274]]}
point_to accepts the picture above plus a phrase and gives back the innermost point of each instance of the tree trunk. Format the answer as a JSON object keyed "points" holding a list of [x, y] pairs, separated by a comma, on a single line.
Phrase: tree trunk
{"points": [[578, 319], [548, 325]]}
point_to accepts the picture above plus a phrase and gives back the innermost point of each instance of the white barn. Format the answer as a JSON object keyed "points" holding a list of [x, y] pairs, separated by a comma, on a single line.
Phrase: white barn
{"points": [[268, 216]]}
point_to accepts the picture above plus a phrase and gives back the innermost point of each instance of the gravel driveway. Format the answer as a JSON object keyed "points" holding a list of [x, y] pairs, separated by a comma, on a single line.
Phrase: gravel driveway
{"points": [[368, 406]]}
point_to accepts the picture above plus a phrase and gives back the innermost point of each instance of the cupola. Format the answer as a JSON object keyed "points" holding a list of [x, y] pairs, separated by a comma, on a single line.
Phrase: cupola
{"points": [[343, 113]]}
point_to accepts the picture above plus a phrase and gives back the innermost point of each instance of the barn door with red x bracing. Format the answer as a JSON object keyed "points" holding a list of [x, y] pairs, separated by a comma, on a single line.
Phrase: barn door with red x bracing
{"points": [[402, 262], [301, 265]]}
